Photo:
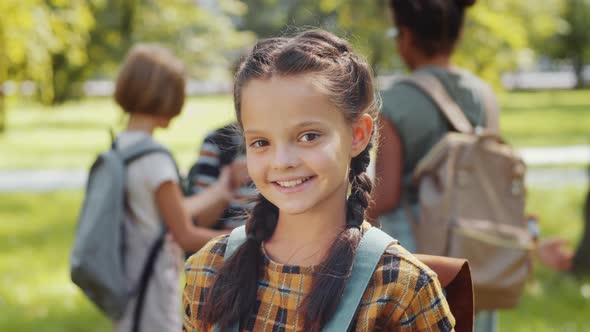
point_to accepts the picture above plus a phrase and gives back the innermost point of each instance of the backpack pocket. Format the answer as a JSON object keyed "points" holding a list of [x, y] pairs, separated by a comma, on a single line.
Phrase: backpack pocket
{"points": [[500, 259]]}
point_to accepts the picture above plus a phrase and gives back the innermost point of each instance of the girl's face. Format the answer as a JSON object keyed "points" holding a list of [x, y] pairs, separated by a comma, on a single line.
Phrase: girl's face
{"points": [[299, 145]]}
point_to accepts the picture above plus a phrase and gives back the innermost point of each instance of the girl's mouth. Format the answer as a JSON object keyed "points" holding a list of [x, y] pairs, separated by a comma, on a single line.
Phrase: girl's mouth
{"points": [[293, 186], [292, 183]]}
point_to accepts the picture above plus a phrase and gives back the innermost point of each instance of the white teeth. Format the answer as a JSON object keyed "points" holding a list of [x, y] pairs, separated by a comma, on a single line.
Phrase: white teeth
{"points": [[293, 183]]}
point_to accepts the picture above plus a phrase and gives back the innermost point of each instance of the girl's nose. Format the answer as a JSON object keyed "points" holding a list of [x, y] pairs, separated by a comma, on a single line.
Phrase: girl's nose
{"points": [[285, 157]]}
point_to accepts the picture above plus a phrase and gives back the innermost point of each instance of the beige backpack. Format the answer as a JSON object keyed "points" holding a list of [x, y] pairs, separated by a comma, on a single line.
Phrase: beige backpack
{"points": [[472, 200]]}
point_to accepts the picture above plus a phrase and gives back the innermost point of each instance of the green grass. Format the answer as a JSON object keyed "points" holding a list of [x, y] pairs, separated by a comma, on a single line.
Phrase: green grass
{"points": [[553, 302], [542, 118], [69, 136], [36, 295], [36, 233]]}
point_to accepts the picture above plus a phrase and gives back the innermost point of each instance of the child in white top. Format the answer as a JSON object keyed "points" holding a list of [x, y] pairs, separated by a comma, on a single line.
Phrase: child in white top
{"points": [[150, 88]]}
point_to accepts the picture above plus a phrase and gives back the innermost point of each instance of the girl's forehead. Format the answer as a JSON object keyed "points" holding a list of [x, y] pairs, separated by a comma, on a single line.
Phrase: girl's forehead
{"points": [[283, 101]]}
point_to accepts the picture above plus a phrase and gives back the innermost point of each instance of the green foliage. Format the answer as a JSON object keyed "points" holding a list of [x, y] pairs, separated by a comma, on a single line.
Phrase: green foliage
{"points": [[499, 34], [36, 293], [59, 44], [572, 42], [366, 23], [35, 31], [193, 31], [271, 18]]}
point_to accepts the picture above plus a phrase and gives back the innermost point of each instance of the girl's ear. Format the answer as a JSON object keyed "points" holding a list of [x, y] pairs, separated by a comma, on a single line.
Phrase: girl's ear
{"points": [[361, 134]]}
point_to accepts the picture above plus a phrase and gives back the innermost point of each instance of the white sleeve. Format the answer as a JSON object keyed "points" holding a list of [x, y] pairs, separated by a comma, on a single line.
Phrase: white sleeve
{"points": [[160, 168]]}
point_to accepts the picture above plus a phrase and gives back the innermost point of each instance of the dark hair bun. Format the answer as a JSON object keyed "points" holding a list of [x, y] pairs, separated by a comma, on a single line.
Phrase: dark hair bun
{"points": [[465, 3]]}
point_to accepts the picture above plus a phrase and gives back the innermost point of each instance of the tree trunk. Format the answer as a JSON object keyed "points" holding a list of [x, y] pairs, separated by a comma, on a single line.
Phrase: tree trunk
{"points": [[3, 77], [581, 263], [578, 66], [2, 111]]}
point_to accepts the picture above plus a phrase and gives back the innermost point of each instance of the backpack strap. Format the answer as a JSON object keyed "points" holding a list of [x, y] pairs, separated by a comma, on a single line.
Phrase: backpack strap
{"points": [[434, 89], [143, 148], [368, 254], [145, 277], [491, 108], [237, 237], [129, 155]]}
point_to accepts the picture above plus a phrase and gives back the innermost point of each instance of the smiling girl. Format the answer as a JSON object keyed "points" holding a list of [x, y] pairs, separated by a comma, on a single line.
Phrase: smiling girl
{"points": [[307, 108]]}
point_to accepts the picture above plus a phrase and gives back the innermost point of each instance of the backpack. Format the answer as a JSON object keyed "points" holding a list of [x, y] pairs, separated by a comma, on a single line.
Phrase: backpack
{"points": [[97, 259], [454, 275], [471, 197]]}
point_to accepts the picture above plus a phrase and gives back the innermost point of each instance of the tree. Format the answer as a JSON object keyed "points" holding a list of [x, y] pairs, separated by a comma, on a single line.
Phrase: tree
{"points": [[271, 18], [3, 78], [34, 31], [364, 23], [572, 42], [203, 36], [498, 34], [501, 34], [30, 32]]}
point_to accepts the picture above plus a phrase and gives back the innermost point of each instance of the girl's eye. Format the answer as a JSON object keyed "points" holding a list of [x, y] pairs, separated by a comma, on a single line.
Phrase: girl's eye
{"points": [[259, 143], [309, 137]]}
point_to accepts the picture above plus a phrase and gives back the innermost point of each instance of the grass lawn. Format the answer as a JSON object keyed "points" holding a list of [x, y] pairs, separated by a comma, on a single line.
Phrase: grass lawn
{"points": [[36, 294], [70, 136], [546, 117]]}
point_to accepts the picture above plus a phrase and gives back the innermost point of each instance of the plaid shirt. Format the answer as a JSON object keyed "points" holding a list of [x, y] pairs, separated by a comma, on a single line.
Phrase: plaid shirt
{"points": [[403, 294]]}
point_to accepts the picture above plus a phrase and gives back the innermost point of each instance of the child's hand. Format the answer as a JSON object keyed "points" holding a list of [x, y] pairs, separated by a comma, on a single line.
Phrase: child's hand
{"points": [[554, 253], [239, 173], [224, 183]]}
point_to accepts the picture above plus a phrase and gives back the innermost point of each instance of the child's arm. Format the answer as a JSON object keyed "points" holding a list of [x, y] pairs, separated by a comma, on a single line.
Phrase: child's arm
{"points": [[388, 171], [208, 205], [170, 202]]}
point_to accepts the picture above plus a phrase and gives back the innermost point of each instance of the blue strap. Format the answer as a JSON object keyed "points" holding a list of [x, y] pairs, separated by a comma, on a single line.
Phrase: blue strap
{"points": [[237, 237], [368, 255], [369, 252]]}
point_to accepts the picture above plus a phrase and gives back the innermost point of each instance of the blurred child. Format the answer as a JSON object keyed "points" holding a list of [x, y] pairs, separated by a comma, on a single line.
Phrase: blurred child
{"points": [[150, 88], [220, 149]]}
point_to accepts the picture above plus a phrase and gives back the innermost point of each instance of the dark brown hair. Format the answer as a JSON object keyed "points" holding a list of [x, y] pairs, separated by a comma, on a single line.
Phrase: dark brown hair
{"points": [[436, 24], [348, 81], [151, 81]]}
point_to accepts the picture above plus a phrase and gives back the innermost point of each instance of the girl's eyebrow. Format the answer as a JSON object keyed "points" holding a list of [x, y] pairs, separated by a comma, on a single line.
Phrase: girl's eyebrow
{"points": [[253, 132], [309, 124], [303, 124]]}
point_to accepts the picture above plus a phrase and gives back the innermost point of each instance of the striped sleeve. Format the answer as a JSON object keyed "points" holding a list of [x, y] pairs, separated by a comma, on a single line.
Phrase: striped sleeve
{"points": [[206, 169]]}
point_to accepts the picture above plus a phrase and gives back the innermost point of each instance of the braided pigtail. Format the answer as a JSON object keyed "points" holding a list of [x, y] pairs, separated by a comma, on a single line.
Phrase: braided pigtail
{"points": [[360, 191], [233, 292], [334, 272]]}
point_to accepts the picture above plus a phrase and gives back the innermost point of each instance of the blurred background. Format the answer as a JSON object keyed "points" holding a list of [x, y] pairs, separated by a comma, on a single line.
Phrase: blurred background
{"points": [[58, 59]]}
